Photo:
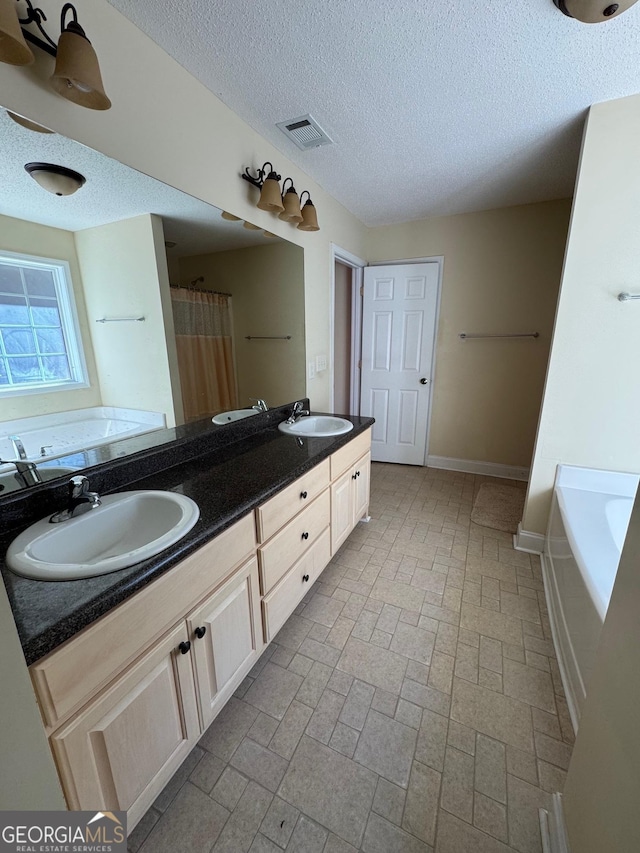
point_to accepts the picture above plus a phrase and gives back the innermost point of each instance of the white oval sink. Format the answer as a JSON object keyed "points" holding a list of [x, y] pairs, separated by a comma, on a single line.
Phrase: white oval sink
{"points": [[317, 426], [8, 482], [128, 527], [234, 415]]}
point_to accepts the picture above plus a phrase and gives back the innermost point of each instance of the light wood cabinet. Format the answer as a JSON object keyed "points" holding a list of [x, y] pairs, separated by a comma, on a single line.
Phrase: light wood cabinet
{"points": [[349, 500], [226, 638], [123, 747]]}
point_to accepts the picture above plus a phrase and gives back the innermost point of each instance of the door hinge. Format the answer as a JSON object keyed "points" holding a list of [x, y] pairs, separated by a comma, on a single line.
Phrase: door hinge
{"points": [[362, 290], [359, 364]]}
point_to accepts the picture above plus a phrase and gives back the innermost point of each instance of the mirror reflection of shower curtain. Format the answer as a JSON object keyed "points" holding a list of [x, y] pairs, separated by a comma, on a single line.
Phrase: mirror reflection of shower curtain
{"points": [[204, 340]]}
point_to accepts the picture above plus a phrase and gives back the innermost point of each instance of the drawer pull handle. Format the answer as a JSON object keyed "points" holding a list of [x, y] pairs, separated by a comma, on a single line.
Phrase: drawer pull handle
{"points": [[303, 495], [305, 578], [305, 535], [184, 647], [200, 632]]}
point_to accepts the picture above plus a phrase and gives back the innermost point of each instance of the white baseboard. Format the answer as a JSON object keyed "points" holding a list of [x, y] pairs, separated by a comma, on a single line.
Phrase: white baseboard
{"points": [[553, 830], [470, 466], [524, 540]]}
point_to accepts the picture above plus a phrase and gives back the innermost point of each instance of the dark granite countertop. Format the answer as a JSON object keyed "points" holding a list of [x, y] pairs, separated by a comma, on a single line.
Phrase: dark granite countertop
{"points": [[226, 482]]}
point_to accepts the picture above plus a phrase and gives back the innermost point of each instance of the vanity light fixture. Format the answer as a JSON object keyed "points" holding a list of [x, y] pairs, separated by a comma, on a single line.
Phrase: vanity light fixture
{"points": [[309, 215], [291, 203], [230, 217], [55, 179], [77, 73], [250, 226], [269, 186], [593, 11], [286, 202]]}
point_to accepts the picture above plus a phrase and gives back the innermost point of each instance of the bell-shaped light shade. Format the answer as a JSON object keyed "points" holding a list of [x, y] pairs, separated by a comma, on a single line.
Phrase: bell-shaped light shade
{"points": [[55, 179], [593, 11], [291, 212], [30, 125], [270, 198], [77, 74], [309, 217], [13, 48], [229, 216], [250, 226]]}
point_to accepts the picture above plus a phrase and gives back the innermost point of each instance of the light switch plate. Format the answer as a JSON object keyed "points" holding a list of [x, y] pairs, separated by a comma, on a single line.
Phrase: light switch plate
{"points": [[321, 363]]}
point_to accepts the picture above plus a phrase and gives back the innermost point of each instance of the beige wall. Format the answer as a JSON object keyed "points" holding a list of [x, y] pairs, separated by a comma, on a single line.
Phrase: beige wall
{"points": [[17, 235], [602, 790], [501, 274], [119, 267], [591, 404], [154, 100], [267, 285]]}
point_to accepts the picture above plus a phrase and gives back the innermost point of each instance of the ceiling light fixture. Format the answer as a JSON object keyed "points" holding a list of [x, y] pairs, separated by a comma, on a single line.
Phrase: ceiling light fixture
{"points": [[55, 179], [593, 11], [77, 73], [284, 202], [30, 125]]}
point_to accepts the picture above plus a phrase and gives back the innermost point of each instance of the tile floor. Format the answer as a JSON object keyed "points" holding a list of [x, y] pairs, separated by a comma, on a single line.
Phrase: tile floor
{"points": [[411, 704]]}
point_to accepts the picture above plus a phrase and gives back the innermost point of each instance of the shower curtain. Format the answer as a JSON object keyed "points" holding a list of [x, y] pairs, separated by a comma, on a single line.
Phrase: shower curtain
{"points": [[204, 340]]}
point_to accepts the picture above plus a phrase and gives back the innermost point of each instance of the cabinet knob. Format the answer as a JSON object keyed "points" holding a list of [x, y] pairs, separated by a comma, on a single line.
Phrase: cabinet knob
{"points": [[200, 632], [305, 578], [354, 476], [357, 473], [184, 647], [305, 535], [303, 495]]}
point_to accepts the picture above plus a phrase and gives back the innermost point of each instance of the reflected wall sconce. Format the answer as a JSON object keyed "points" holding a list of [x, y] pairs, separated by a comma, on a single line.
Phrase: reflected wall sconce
{"points": [[285, 202], [57, 180], [77, 73]]}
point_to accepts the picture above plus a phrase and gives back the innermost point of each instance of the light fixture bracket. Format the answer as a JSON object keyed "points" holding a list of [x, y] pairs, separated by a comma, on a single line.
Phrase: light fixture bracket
{"points": [[37, 16], [259, 180]]}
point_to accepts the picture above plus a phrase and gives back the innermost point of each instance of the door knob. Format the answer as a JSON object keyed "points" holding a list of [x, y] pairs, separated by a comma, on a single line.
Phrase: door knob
{"points": [[424, 381]]}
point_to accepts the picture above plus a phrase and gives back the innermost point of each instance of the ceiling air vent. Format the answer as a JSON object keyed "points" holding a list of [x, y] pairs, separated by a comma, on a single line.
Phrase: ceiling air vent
{"points": [[305, 132]]}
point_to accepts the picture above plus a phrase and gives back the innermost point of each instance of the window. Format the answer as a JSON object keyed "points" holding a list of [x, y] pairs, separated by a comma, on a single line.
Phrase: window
{"points": [[40, 345]]}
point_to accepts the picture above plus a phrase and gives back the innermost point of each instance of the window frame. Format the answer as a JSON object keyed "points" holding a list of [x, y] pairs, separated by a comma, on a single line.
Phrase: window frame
{"points": [[69, 324]]}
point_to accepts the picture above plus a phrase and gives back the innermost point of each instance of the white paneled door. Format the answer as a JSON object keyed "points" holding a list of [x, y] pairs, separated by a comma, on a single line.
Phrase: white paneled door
{"points": [[398, 332]]}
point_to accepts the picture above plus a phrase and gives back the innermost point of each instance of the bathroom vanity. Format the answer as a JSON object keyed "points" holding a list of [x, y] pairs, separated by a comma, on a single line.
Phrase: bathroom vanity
{"points": [[130, 668]]}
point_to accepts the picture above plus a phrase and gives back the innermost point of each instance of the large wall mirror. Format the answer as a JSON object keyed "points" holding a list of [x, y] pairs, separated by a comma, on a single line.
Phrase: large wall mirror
{"points": [[129, 308]]}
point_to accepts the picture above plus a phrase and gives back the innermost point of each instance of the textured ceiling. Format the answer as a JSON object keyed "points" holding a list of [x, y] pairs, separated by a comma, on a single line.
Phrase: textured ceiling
{"points": [[435, 108], [112, 192]]}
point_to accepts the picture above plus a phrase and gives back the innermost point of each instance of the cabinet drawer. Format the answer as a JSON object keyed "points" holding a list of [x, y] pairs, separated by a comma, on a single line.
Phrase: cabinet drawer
{"points": [[68, 676], [350, 453], [283, 599], [281, 552], [276, 512]]}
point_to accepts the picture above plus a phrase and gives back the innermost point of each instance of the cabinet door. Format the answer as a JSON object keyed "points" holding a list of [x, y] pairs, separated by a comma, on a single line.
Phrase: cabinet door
{"points": [[361, 488], [341, 510], [121, 749], [226, 638]]}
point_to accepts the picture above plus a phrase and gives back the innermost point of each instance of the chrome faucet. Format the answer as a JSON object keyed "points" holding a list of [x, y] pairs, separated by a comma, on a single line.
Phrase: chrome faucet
{"points": [[26, 474], [260, 405], [297, 412], [18, 447], [81, 500]]}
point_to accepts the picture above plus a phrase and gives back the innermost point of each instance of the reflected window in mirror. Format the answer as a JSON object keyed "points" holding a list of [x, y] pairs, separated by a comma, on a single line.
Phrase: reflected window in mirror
{"points": [[40, 344]]}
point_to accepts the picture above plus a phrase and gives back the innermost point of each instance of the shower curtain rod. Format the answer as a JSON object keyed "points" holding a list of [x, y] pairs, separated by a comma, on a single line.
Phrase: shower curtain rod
{"points": [[199, 289]]}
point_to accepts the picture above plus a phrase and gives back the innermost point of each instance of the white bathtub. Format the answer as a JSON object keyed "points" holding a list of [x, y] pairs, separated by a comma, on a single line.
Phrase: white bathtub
{"points": [[47, 436], [587, 527]]}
